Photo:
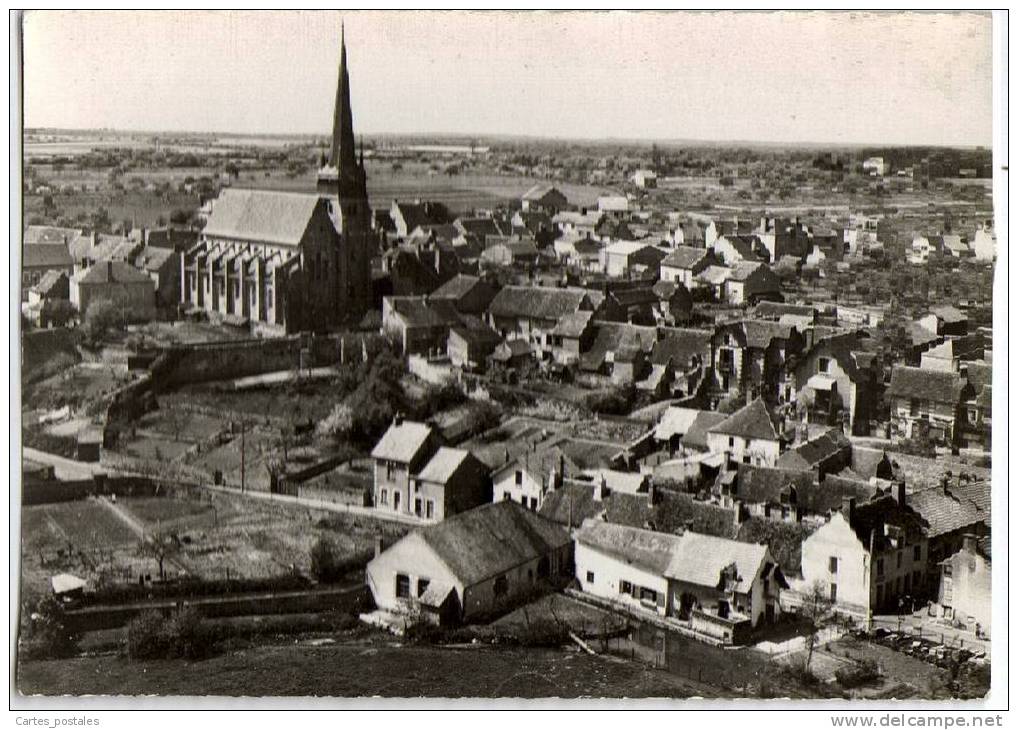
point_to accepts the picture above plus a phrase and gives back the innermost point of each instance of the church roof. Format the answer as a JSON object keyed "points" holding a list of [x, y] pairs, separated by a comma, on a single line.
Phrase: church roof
{"points": [[267, 216]]}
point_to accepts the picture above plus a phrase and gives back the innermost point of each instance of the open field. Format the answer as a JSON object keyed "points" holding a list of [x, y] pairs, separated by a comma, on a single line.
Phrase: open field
{"points": [[311, 399], [74, 386], [220, 536], [361, 670]]}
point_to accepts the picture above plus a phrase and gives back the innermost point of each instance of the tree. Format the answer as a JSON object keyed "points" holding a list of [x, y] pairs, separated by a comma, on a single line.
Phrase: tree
{"points": [[815, 610], [338, 424], [49, 637], [160, 546], [101, 318], [325, 560]]}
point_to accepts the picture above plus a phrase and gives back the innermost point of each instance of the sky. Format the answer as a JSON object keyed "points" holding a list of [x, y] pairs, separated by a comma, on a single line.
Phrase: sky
{"points": [[817, 77]]}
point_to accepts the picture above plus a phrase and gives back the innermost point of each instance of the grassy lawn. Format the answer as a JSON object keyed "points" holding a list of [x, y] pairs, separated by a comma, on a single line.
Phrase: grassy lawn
{"points": [[361, 670], [82, 523], [164, 510]]}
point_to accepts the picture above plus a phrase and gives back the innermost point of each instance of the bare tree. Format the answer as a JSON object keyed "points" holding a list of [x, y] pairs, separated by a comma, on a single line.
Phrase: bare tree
{"points": [[816, 609], [160, 546]]}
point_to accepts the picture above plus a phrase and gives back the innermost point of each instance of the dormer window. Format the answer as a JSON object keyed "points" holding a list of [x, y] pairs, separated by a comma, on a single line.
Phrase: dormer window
{"points": [[823, 365]]}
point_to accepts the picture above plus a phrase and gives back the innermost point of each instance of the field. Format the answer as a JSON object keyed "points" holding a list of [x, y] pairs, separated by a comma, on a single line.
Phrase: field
{"points": [[74, 386], [362, 669], [220, 536], [311, 399]]}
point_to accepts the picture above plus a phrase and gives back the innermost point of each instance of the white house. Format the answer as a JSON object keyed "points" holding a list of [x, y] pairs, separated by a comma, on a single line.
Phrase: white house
{"points": [[751, 435], [984, 243]]}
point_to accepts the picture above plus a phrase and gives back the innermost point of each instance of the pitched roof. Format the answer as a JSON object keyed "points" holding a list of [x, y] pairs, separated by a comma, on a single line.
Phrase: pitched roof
{"points": [[761, 332], [111, 272], [744, 269], [881, 516], [573, 324], [260, 215], [681, 346], [456, 288], [978, 374], [829, 495], [541, 462], [696, 436], [538, 191], [714, 274], [49, 255], [812, 453], [950, 315], [423, 312], [700, 559], [153, 258], [684, 257], [675, 420], [945, 511], [764, 485], [443, 465], [48, 281], [402, 442], [646, 549], [866, 462], [752, 421], [767, 309], [933, 385], [50, 234], [572, 503], [492, 539], [536, 302]]}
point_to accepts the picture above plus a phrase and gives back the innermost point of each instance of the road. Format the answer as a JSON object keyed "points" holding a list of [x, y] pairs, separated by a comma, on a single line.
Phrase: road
{"points": [[65, 468], [932, 629]]}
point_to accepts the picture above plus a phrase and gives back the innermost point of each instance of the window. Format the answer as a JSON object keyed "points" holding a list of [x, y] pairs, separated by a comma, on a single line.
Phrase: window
{"points": [[395, 500], [731, 442], [917, 553], [625, 587], [384, 499], [402, 586], [506, 496], [823, 364], [898, 559], [422, 585], [519, 477], [523, 500], [834, 592], [746, 459], [590, 576], [501, 586], [533, 503], [418, 506], [832, 564], [880, 566], [430, 510], [648, 594]]}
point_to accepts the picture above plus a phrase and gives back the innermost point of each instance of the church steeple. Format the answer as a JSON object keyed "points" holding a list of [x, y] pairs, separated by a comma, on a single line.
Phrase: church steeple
{"points": [[343, 153]]}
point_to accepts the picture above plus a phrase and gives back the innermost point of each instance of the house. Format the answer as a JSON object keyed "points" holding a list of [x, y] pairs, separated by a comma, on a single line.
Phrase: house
{"points": [[532, 475], [576, 223], [964, 594], [836, 382], [750, 282], [519, 253], [131, 292], [470, 345], [674, 303], [478, 227], [418, 213], [546, 198], [732, 248], [645, 179], [50, 235], [620, 350], [751, 435], [512, 354], [163, 266], [924, 403], [984, 243], [875, 166], [573, 335], [583, 253], [53, 285], [472, 566], [763, 492], [945, 320], [717, 228], [624, 258], [683, 263], [828, 453], [401, 453], [468, 294], [868, 557], [532, 313], [38, 259], [778, 311], [951, 512], [712, 279], [749, 357], [688, 233], [452, 481], [975, 425], [687, 354], [713, 587], [419, 324]]}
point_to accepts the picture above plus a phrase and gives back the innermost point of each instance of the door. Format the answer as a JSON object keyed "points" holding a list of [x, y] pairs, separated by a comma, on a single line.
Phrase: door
{"points": [[417, 506], [396, 496]]}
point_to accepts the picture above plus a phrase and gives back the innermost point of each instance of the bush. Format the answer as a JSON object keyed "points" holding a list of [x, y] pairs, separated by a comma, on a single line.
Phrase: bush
{"points": [[185, 635], [543, 632], [101, 318], [49, 637], [616, 402], [857, 675], [326, 565]]}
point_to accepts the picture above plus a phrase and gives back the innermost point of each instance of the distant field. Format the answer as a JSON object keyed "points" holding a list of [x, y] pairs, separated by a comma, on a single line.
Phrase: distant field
{"points": [[83, 523]]}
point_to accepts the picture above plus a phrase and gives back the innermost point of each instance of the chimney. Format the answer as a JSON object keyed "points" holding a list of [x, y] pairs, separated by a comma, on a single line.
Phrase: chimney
{"points": [[968, 543], [899, 493], [397, 419], [378, 545], [848, 507]]}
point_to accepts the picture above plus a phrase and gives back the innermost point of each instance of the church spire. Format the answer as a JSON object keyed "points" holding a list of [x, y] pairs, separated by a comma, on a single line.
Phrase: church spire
{"points": [[342, 174]]}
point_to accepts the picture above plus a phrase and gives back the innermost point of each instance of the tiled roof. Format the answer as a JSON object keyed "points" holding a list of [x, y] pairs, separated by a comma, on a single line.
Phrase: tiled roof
{"points": [[443, 465], [423, 312], [744, 269], [814, 452], [829, 495], [261, 215], [978, 374], [700, 559], [536, 302], [769, 310], [490, 540], [573, 324], [48, 281], [572, 503], [111, 272], [763, 485], [933, 385], [681, 345], [402, 442], [753, 421], [49, 255], [871, 519], [646, 549], [675, 421], [696, 436], [50, 234], [946, 511], [456, 288], [684, 257]]}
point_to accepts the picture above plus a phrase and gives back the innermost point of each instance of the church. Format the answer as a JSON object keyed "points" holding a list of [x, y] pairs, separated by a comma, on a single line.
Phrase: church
{"points": [[283, 262]]}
